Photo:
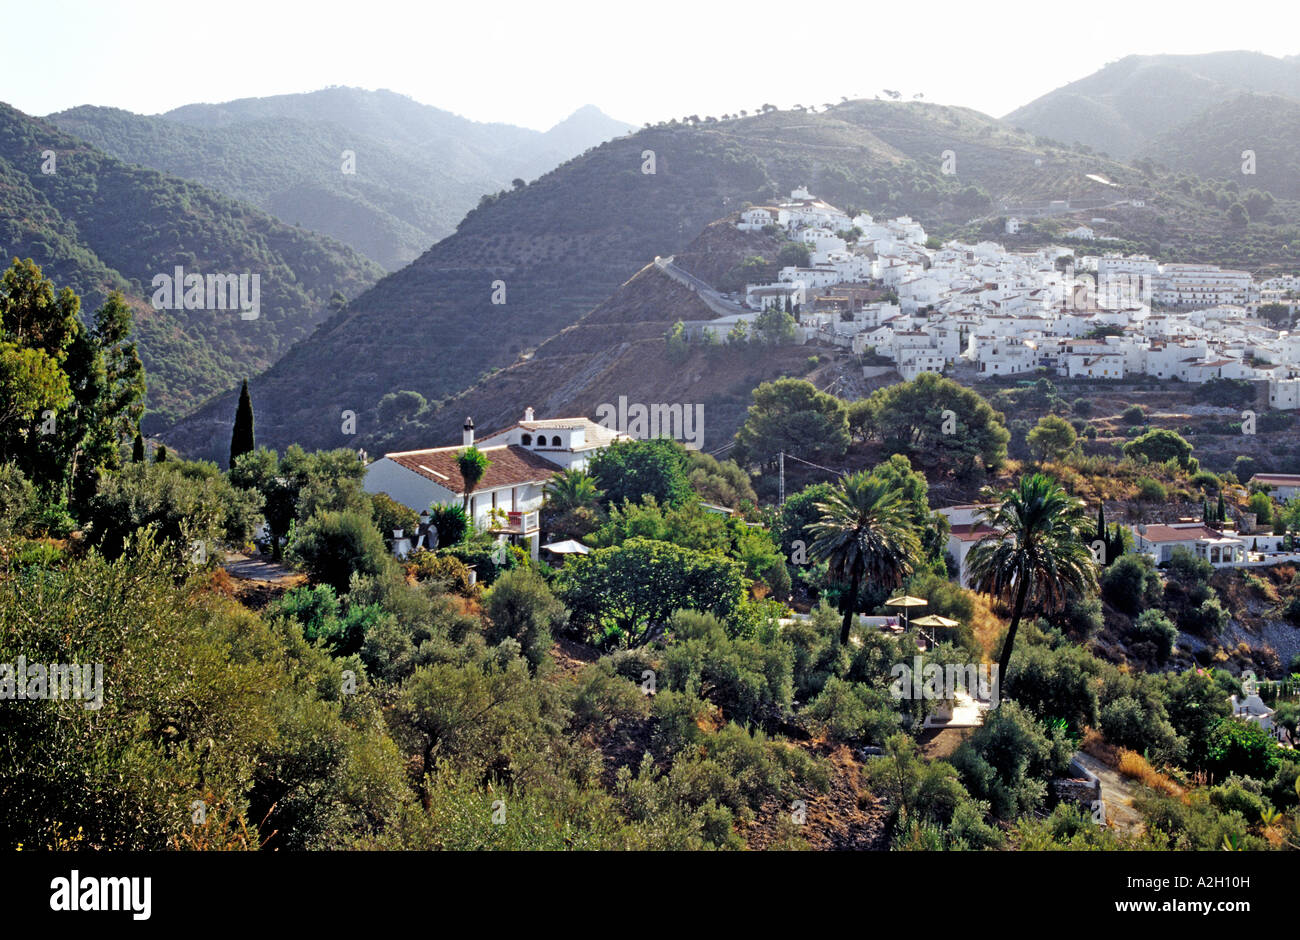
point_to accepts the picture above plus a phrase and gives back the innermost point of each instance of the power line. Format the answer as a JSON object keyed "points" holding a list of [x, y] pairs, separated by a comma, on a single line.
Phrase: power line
{"points": [[817, 465]]}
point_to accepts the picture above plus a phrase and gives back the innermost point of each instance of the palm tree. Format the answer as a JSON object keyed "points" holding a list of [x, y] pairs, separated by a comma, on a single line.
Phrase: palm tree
{"points": [[864, 532], [572, 489], [572, 500], [472, 463], [1036, 552]]}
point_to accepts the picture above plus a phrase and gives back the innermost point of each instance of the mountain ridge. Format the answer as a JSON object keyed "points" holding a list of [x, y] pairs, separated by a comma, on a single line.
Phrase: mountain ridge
{"points": [[415, 169], [97, 224]]}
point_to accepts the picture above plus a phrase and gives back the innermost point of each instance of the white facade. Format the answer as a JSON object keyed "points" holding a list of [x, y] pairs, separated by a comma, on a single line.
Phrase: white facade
{"points": [[1009, 309]]}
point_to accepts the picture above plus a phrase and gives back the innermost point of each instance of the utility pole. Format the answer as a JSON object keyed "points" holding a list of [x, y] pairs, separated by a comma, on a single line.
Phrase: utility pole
{"points": [[780, 486]]}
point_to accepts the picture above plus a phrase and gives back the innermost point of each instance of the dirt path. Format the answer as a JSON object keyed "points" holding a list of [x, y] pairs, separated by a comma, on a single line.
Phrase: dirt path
{"points": [[257, 569], [1117, 792], [256, 582]]}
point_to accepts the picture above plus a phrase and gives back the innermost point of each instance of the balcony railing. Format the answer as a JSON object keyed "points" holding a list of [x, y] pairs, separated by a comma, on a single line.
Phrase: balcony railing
{"points": [[518, 523]]}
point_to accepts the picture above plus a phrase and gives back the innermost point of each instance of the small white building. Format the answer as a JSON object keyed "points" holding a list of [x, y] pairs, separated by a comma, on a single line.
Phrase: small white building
{"points": [[1285, 485], [1218, 548], [965, 531], [1252, 708], [756, 218], [1284, 394]]}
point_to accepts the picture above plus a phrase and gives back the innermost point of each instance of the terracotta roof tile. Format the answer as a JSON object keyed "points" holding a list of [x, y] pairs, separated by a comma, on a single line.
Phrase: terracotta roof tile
{"points": [[1167, 533], [511, 466], [971, 533]]}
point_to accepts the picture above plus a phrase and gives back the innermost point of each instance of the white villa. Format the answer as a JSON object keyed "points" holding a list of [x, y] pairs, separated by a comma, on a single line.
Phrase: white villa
{"points": [[506, 501], [1218, 548]]}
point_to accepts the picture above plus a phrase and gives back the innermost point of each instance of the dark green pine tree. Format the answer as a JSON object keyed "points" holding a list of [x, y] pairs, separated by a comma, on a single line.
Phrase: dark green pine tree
{"points": [[137, 449], [1101, 522], [1115, 544], [1205, 511], [1220, 513], [160, 455], [241, 438]]}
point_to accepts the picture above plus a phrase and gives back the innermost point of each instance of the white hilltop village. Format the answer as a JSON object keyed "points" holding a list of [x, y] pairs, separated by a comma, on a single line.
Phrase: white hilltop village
{"points": [[1103, 316]]}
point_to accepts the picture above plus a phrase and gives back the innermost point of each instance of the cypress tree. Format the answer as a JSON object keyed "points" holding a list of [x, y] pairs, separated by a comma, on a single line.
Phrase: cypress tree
{"points": [[241, 437], [1205, 510], [137, 449], [1101, 522], [1221, 513], [160, 455]]}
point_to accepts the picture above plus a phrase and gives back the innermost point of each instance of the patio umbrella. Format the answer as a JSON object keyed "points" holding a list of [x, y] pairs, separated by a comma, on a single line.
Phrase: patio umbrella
{"points": [[935, 620], [905, 601]]}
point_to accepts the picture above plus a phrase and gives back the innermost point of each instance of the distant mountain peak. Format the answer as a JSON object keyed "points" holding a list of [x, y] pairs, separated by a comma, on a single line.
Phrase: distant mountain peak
{"points": [[586, 127]]}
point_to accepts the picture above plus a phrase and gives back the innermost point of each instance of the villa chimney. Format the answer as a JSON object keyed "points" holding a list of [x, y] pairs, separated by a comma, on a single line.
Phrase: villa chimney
{"points": [[469, 432], [528, 414]]}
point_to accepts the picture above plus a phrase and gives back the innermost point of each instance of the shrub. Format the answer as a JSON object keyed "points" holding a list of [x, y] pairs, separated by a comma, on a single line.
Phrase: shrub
{"points": [[1131, 583], [448, 570], [1008, 759], [1133, 414], [332, 546], [1239, 795], [1055, 684], [521, 606], [603, 699], [18, 502], [1206, 481], [1160, 445], [1151, 491], [391, 515], [450, 522], [852, 711], [750, 681], [1154, 627], [1241, 747], [1209, 619], [186, 502]]}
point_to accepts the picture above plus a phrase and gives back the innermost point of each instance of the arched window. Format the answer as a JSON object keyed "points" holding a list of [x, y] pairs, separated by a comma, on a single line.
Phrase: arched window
{"points": [[555, 441], [526, 439]]}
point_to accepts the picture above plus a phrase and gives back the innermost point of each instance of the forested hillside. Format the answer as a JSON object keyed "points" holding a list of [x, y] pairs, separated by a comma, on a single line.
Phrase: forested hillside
{"points": [[561, 245], [1121, 108], [98, 224], [557, 248], [416, 170], [1211, 144]]}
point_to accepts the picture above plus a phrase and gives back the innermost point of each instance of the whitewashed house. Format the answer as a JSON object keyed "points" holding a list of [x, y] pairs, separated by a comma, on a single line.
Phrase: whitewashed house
{"points": [[964, 533], [506, 500], [1284, 394], [756, 218], [1101, 365], [912, 361], [1218, 548], [1285, 486]]}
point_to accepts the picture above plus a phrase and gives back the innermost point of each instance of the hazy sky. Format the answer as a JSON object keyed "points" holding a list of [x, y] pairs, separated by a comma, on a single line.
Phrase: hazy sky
{"points": [[533, 63]]}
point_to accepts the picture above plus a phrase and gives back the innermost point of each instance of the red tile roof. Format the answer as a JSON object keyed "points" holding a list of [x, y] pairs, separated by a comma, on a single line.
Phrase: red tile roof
{"points": [[971, 533], [1167, 533], [510, 466]]}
